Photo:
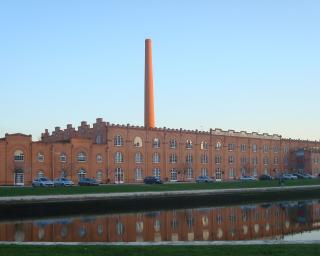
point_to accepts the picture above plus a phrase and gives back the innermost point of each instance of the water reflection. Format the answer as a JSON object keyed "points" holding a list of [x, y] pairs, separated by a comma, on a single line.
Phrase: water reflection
{"points": [[286, 220]]}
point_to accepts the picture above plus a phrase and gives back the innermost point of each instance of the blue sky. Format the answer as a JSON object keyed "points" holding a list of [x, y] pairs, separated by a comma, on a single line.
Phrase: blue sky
{"points": [[242, 65]]}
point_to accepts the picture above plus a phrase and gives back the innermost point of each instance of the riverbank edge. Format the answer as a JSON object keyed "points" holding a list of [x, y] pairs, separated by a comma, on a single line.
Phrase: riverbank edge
{"points": [[55, 205], [239, 250]]}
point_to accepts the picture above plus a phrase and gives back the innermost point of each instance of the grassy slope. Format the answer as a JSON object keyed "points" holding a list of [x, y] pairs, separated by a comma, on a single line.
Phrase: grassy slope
{"points": [[20, 191], [245, 250]]}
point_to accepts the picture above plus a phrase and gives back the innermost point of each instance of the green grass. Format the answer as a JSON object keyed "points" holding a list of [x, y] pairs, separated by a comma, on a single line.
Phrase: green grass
{"points": [[24, 191], [237, 250]]}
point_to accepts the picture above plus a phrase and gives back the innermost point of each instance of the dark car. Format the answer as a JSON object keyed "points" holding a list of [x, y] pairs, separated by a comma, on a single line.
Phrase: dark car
{"points": [[265, 177], [152, 180], [301, 175], [88, 182]]}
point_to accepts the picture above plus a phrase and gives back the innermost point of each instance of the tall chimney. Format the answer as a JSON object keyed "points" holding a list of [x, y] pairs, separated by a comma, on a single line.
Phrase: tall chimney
{"points": [[148, 87]]}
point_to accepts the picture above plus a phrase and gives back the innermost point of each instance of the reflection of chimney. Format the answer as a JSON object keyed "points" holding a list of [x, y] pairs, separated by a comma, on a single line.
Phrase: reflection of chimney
{"points": [[148, 87]]}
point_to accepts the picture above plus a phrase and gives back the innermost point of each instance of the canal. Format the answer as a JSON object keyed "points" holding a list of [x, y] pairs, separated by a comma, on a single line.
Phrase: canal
{"points": [[286, 220]]}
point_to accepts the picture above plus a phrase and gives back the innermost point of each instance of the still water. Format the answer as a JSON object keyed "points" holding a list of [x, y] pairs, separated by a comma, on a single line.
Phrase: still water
{"points": [[294, 220]]}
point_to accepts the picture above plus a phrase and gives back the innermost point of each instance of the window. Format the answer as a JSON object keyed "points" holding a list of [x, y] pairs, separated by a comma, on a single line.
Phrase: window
{"points": [[156, 172], [285, 160], [243, 171], [231, 146], [265, 160], [99, 158], [40, 174], [189, 159], [204, 159], [173, 158], [188, 144], [266, 171], [119, 157], [156, 143], [204, 145], [99, 176], [254, 160], [218, 174], [40, 157], [118, 141], [137, 142], [255, 171], [231, 159], [63, 157], [276, 160], [138, 174], [119, 175], [173, 175], [243, 147], [99, 139], [218, 145], [189, 173], [82, 174], [243, 160], [286, 150], [276, 149], [254, 148], [138, 158], [173, 143], [231, 173], [265, 148], [156, 158], [82, 157], [204, 172], [18, 155], [218, 159]]}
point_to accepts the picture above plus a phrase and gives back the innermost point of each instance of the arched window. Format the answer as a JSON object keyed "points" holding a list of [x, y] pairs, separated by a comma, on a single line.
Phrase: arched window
{"points": [[156, 143], [218, 145], [138, 174], [138, 158], [173, 175], [204, 145], [118, 157], [156, 158], [119, 175], [63, 157], [18, 155], [189, 144], [204, 159], [40, 174], [99, 158], [99, 139], [189, 159], [82, 157], [118, 141], [99, 176], [173, 158], [173, 143], [156, 172], [137, 142], [40, 157]]}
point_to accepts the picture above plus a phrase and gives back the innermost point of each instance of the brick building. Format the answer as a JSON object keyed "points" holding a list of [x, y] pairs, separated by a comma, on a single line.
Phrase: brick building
{"points": [[126, 154]]}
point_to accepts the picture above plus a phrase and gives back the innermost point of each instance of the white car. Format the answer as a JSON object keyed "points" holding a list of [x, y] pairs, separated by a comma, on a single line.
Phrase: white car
{"points": [[246, 177]]}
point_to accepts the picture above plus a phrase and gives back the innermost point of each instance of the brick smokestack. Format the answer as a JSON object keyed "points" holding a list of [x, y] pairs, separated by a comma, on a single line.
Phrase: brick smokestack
{"points": [[149, 121]]}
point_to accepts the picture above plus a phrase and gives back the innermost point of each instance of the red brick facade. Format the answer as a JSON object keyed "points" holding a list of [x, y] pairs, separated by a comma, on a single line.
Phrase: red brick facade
{"points": [[124, 153]]}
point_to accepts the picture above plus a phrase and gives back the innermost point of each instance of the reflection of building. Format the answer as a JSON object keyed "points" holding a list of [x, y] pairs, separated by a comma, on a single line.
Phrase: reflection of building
{"points": [[226, 223], [124, 153]]}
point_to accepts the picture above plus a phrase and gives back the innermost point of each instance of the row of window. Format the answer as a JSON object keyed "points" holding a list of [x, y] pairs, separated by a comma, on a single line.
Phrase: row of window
{"points": [[118, 141]]}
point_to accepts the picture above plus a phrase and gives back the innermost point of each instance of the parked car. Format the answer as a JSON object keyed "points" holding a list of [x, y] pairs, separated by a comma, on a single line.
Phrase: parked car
{"points": [[288, 176], [62, 182], [265, 177], [88, 182], [301, 175], [42, 182], [247, 178], [204, 179], [152, 180]]}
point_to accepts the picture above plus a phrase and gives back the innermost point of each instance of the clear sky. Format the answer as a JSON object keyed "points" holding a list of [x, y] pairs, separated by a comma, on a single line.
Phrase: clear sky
{"points": [[241, 65]]}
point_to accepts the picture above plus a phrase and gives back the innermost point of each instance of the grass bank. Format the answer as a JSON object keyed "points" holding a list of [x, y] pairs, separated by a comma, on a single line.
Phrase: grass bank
{"points": [[226, 250], [25, 191]]}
